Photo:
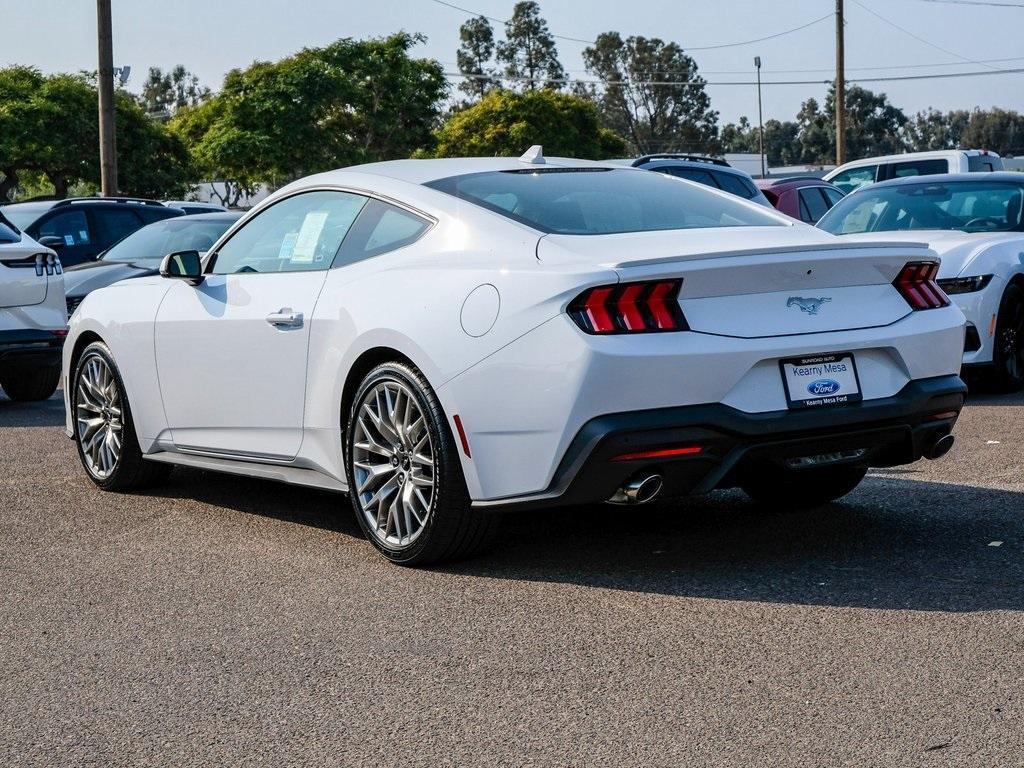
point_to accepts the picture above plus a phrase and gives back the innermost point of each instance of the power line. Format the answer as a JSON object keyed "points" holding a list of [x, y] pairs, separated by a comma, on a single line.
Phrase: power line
{"points": [[895, 78], [920, 39], [977, 2], [699, 48]]}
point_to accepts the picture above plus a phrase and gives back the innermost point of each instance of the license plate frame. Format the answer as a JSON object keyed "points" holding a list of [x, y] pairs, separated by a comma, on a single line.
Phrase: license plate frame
{"points": [[821, 360]]}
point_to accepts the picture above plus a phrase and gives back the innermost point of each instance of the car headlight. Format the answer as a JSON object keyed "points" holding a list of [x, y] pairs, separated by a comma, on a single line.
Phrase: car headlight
{"points": [[965, 284]]}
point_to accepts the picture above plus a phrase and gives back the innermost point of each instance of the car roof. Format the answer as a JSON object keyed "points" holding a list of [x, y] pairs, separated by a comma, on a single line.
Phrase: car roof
{"points": [[947, 178], [703, 165], [792, 182], [211, 216]]}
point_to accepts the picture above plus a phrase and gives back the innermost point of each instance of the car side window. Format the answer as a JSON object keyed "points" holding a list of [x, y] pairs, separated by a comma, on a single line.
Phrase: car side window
{"points": [[380, 228], [730, 182], [70, 226], [832, 195], [919, 168], [115, 223], [814, 202], [855, 178], [691, 174], [301, 233]]}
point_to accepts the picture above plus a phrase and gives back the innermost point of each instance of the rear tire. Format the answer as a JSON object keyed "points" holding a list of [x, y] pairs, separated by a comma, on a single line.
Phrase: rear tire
{"points": [[1007, 371], [404, 473], [801, 488], [104, 428], [31, 385]]}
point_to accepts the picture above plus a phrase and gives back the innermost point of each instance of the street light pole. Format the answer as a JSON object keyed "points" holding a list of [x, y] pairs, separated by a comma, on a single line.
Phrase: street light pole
{"points": [[105, 85], [760, 117]]}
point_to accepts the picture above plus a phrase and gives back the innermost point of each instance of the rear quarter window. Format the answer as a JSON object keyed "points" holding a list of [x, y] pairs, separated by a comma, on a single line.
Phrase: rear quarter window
{"points": [[918, 168], [737, 185]]}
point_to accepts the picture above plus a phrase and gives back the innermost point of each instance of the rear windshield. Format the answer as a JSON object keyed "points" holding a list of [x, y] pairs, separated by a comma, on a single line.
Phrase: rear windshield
{"points": [[601, 201], [968, 206]]}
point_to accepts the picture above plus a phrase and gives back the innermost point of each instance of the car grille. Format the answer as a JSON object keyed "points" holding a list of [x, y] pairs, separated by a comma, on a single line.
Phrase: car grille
{"points": [[73, 302]]}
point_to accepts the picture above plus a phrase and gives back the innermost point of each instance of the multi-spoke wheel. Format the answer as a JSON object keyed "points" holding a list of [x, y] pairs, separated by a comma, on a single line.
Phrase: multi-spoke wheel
{"points": [[98, 417], [1007, 373], [103, 425], [405, 476]]}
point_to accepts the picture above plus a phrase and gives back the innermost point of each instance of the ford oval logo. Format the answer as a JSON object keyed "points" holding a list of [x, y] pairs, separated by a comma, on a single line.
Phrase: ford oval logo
{"points": [[823, 387]]}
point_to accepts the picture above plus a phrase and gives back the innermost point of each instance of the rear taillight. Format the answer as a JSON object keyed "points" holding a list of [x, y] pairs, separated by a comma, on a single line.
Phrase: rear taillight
{"points": [[644, 307], [916, 283]]}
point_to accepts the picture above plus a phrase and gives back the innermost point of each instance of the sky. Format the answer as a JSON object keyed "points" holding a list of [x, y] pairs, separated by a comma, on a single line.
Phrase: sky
{"points": [[212, 36]]}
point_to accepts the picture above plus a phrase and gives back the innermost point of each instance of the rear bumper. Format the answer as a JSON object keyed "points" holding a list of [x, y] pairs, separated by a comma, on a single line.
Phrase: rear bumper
{"points": [[890, 431], [30, 349]]}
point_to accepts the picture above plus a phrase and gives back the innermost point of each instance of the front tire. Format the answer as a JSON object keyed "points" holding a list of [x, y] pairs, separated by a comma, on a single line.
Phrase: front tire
{"points": [[801, 488], [31, 385], [104, 428], [404, 474], [1007, 371]]}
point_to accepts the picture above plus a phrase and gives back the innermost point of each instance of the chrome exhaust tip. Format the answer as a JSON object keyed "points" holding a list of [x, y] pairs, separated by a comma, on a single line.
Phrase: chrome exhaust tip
{"points": [[639, 490], [939, 448]]}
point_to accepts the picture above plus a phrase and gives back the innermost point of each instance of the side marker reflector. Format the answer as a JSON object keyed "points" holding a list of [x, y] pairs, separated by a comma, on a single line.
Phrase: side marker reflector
{"points": [[462, 436], [663, 453]]}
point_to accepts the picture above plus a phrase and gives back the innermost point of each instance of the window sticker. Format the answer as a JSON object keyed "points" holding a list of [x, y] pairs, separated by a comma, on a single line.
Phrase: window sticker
{"points": [[309, 236], [287, 246], [69, 239], [83, 236]]}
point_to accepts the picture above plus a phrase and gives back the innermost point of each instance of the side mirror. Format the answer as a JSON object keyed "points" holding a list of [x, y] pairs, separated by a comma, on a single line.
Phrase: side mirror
{"points": [[183, 265], [52, 242]]}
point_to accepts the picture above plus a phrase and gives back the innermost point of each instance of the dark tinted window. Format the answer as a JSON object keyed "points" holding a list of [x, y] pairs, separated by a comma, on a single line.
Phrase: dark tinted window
{"points": [[115, 223], [832, 195], [815, 203], [380, 228], [151, 213], [70, 226], [178, 234], [919, 168], [968, 206], [691, 174], [601, 201], [978, 163], [737, 185]]}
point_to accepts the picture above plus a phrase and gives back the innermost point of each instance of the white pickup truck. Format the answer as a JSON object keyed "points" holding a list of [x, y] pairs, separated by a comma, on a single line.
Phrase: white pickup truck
{"points": [[858, 173]]}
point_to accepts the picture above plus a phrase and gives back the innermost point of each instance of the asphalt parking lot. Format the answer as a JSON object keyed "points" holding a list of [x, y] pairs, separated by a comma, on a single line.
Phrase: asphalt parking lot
{"points": [[234, 621]]}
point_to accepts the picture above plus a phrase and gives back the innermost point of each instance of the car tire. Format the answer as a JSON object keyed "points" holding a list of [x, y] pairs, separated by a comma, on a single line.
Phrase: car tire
{"points": [[99, 406], [1007, 371], [28, 386], [801, 488], [405, 477]]}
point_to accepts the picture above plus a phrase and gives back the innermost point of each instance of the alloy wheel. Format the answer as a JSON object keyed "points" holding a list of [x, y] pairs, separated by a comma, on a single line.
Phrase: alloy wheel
{"points": [[1012, 342], [393, 464], [98, 417]]}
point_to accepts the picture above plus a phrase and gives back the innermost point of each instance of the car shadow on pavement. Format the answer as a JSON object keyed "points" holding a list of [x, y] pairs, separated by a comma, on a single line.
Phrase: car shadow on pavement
{"points": [[893, 544], [48, 413]]}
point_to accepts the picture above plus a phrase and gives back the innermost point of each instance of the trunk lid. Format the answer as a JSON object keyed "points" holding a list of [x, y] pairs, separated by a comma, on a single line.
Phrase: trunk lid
{"points": [[755, 282], [23, 281]]}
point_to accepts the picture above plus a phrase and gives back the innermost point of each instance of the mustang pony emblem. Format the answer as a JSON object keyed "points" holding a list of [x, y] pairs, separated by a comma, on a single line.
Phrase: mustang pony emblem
{"points": [[810, 306]]}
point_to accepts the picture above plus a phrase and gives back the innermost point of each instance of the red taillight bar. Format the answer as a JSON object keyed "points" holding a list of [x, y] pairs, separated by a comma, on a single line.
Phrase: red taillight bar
{"points": [[661, 453], [642, 307], [916, 283]]}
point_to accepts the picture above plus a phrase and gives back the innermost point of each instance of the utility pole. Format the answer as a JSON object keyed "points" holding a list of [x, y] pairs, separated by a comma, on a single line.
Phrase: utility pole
{"points": [[760, 118], [840, 99], [105, 85]]}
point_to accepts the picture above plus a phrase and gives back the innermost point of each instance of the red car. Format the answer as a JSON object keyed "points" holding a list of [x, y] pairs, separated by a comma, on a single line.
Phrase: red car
{"points": [[804, 197]]}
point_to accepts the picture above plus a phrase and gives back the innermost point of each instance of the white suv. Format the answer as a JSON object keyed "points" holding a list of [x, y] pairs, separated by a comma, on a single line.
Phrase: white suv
{"points": [[33, 316], [858, 173]]}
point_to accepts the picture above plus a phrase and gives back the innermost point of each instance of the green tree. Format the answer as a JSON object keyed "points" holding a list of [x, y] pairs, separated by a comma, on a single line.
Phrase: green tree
{"points": [[652, 94], [873, 126], [528, 50], [48, 129], [350, 102], [506, 123], [476, 50], [931, 129], [999, 130], [781, 140], [164, 93]]}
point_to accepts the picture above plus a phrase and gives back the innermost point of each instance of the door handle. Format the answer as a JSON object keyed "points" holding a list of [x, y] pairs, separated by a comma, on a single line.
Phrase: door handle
{"points": [[285, 318]]}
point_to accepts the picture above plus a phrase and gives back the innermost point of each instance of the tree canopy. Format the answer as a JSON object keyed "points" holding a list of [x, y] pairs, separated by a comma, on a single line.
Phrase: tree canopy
{"points": [[506, 123], [528, 50]]}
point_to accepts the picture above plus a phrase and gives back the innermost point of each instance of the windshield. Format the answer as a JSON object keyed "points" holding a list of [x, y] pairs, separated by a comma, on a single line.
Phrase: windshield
{"points": [[599, 201], [967, 206], [167, 236]]}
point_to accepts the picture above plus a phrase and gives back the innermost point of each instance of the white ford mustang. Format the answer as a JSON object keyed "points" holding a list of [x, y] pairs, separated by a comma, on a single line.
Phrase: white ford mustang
{"points": [[446, 339], [975, 223]]}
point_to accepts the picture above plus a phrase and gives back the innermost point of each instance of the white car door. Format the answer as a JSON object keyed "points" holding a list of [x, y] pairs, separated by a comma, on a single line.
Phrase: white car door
{"points": [[231, 353]]}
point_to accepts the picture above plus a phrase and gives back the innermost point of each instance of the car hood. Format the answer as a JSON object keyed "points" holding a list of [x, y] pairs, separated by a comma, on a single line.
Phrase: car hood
{"points": [[85, 278], [958, 250]]}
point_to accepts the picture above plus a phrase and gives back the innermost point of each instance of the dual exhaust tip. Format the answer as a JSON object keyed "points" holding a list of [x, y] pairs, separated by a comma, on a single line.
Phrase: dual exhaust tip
{"points": [[639, 490], [645, 486]]}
